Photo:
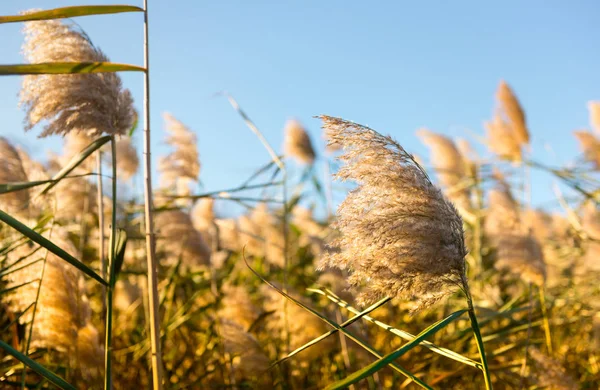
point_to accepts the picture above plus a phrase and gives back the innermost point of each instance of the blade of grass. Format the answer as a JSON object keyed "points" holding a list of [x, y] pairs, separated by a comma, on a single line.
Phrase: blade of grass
{"points": [[372, 351], [400, 333], [67, 68], [76, 161], [43, 241], [70, 12], [384, 361], [35, 366]]}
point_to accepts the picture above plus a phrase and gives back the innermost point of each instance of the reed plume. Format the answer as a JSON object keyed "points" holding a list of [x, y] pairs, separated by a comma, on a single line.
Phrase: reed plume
{"points": [[94, 102], [182, 166], [399, 236], [177, 239], [590, 146], [594, 109], [517, 249], [127, 158], [501, 139], [297, 143], [511, 110], [11, 170], [549, 373], [249, 360], [450, 167], [237, 307], [62, 308]]}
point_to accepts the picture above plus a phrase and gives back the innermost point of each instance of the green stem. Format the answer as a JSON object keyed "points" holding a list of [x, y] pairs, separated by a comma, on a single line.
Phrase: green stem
{"points": [[111, 274], [542, 291], [480, 347]]}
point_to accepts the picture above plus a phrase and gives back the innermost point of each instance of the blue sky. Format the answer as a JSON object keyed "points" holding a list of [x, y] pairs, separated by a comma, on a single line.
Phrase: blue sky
{"points": [[393, 65]]}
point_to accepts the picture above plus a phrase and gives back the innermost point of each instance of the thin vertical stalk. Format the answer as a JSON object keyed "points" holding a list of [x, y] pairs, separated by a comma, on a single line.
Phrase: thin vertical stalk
{"points": [[156, 358], [477, 334], [542, 292], [343, 343], [100, 201], [328, 189], [108, 383], [480, 347]]}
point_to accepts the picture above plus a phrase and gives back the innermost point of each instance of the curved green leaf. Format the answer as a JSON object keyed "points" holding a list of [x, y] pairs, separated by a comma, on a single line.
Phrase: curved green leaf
{"points": [[70, 12], [76, 160], [35, 366], [67, 68], [389, 358], [43, 241]]}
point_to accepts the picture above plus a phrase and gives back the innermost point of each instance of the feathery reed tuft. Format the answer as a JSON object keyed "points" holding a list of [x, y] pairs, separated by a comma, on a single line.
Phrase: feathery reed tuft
{"points": [[449, 165], [590, 146], [594, 109], [297, 143], [399, 235], [11, 170], [182, 166], [510, 109], [127, 158], [179, 240], [94, 102]]}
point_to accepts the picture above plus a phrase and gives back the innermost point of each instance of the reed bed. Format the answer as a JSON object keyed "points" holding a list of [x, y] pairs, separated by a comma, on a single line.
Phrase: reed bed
{"points": [[433, 274]]}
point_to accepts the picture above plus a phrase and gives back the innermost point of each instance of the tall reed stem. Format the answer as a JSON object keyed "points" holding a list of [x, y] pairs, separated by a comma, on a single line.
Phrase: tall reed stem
{"points": [[101, 254], [108, 383], [156, 358]]}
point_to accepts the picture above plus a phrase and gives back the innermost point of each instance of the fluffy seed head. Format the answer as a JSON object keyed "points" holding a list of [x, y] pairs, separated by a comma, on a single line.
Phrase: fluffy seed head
{"points": [[297, 143], [182, 166], [248, 359], [594, 108], [501, 139], [178, 239], [399, 235], [511, 110], [94, 102], [590, 146], [449, 165], [11, 170], [127, 158]]}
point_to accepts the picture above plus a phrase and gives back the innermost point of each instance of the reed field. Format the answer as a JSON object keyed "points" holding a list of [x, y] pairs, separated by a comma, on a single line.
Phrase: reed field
{"points": [[432, 271]]}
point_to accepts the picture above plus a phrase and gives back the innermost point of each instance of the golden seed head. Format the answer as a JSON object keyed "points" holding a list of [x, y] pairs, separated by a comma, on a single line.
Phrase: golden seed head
{"points": [[93, 102], [297, 143], [399, 236]]}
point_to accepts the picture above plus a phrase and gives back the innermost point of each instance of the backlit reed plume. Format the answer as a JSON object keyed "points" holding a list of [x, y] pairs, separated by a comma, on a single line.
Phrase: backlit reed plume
{"points": [[203, 218], [74, 198], [548, 373], [73, 144], [62, 308], [248, 359], [236, 306], [90, 354], [181, 167], [178, 240], [517, 249], [594, 109], [501, 140], [302, 325], [95, 102], [297, 143], [262, 235], [590, 222], [127, 158], [312, 234], [450, 167], [399, 236], [34, 171], [228, 234], [511, 110], [11, 170], [590, 146]]}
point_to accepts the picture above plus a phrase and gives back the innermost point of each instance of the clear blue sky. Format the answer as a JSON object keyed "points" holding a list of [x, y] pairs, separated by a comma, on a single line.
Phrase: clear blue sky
{"points": [[393, 65]]}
